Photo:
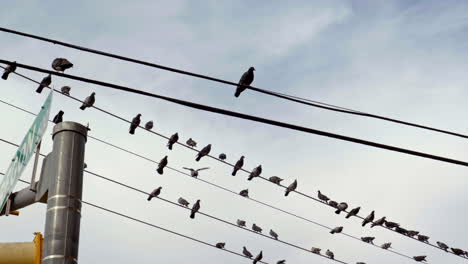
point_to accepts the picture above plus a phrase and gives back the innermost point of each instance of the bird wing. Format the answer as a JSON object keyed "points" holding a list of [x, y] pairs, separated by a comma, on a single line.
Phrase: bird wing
{"points": [[203, 168]]}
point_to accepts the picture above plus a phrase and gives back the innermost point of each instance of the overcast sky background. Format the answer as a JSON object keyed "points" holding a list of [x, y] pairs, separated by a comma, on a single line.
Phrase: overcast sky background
{"points": [[403, 59]]}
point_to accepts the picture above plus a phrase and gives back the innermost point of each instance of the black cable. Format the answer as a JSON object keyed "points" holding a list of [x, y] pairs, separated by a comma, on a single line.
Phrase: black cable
{"points": [[264, 91], [247, 117]]}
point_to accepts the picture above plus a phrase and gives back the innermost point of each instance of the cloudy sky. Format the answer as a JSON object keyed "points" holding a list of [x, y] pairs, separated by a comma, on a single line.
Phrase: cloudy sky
{"points": [[403, 59]]}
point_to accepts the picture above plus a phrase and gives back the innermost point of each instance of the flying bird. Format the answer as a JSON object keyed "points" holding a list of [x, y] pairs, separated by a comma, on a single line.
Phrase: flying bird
{"points": [[240, 222], [195, 209], [89, 101], [256, 228], [330, 254], [222, 156], [258, 257], [44, 83], [391, 224], [247, 253], [205, 151], [238, 166], [135, 123], [58, 118], [341, 207], [191, 143], [336, 230], [419, 258], [65, 90], [322, 197], [149, 125], [9, 69], [379, 222], [172, 140], [162, 163], [183, 202], [246, 79], [154, 193], [220, 245], [423, 238], [442, 245], [369, 240], [244, 193], [255, 172], [333, 204], [316, 250], [61, 64], [275, 179], [353, 212], [292, 187], [386, 245], [193, 172], [368, 219]]}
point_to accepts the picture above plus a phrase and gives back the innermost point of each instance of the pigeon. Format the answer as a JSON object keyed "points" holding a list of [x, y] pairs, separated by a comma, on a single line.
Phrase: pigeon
{"points": [[238, 166], [337, 229], [391, 224], [191, 143], [58, 118], [333, 204], [379, 222], [258, 257], [162, 163], [256, 228], [89, 101], [255, 172], [401, 230], [244, 193], [291, 188], [281, 261], [368, 219], [65, 90], [353, 212], [369, 240], [341, 207], [220, 245], [240, 222], [135, 123], [9, 69], [222, 156], [247, 253], [330, 254], [183, 202], [61, 64], [316, 250], [246, 79], [205, 151], [154, 193], [44, 83], [419, 258], [386, 245], [172, 140], [194, 173], [149, 125], [275, 179], [323, 197], [457, 251], [412, 233], [273, 234], [442, 245], [423, 238], [360, 263], [195, 209]]}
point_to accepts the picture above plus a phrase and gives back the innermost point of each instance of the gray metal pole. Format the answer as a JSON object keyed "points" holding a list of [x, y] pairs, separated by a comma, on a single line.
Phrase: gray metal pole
{"points": [[62, 228]]}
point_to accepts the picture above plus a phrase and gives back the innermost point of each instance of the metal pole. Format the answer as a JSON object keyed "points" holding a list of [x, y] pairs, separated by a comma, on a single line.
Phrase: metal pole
{"points": [[32, 187], [62, 228]]}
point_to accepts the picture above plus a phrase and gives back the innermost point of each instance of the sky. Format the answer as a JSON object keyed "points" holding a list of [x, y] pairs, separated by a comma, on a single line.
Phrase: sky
{"points": [[402, 59]]}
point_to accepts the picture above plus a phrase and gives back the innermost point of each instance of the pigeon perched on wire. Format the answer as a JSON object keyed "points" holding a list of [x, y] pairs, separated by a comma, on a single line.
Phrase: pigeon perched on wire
{"points": [[240, 223], [172, 140], [183, 202], [336, 230], [423, 238], [255, 172], [44, 83], [258, 257], [9, 69], [322, 197], [333, 204], [203, 152], [275, 179], [401, 230], [135, 123], [58, 118], [89, 101], [330, 254], [246, 79], [195, 209], [273, 234], [256, 228], [457, 251], [247, 253], [341, 207], [154, 193], [61, 64], [412, 233], [220, 245], [442, 245], [360, 263], [65, 90], [222, 156], [244, 193], [369, 240], [162, 163], [379, 222], [149, 125], [281, 261], [238, 166], [368, 219], [291, 188], [386, 245], [391, 224], [194, 173], [353, 212], [419, 258], [315, 250], [191, 143]]}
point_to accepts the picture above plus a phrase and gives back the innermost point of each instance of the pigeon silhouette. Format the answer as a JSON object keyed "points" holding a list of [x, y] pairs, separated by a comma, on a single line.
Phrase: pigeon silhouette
{"points": [[379, 222], [419, 258], [341, 207], [89, 101], [162, 163], [222, 156], [386, 245], [193, 172], [390, 224], [336, 230], [275, 179], [369, 240], [273, 234], [240, 222], [442, 245], [135, 123], [281, 261], [183, 202], [244, 193], [368, 219], [65, 90], [258, 257], [172, 140], [44, 83], [322, 197], [333, 204], [220, 245], [238, 166], [154, 193], [191, 143], [205, 151], [315, 250], [9, 69], [457, 251], [353, 212], [256, 228], [423, 238], [195, 209], [291, 188], [61, 64], [246, 79], [247, 253], [330, 254], [149, 125], [412, 233], [58, 118], [255, 172]]}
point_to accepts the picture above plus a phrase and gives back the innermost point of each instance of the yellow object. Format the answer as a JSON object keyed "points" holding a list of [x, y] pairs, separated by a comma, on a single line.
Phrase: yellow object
{"points": [[14, 213], [22, 252]]}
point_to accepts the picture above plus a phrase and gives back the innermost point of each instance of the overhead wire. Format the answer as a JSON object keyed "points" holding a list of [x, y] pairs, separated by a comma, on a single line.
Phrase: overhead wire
{"points": [[264, 91]]}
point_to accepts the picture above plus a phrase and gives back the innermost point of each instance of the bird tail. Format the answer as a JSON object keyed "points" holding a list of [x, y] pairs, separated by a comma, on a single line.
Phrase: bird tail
{"points": [[338, 211], [192, 215], [286, 193], [39, 89], [83, 107], [238, 91], [332, 232], [149, 198], [198, 158], [169, 146], [160, 171], [250, 178], [234, 172], [348, 216], [132, 131], [364, 223], [5, 75]]}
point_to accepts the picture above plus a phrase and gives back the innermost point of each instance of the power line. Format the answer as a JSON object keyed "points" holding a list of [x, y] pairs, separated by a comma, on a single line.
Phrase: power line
{"points": [[264, 91], [247, 117]]}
